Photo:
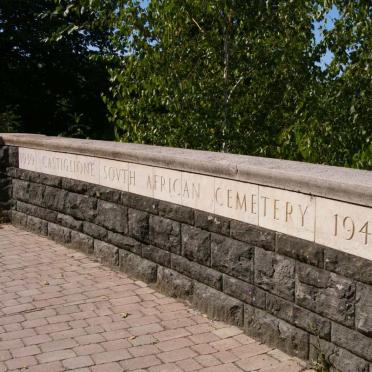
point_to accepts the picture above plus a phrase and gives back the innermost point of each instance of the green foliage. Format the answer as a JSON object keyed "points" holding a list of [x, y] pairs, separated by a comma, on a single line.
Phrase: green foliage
{"points": [[333, 119], [56, 87], [221, 75], [9, 120], [227, 75], [244, 77]]}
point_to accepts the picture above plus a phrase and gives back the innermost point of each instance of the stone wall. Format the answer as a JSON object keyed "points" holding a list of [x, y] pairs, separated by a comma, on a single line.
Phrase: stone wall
{"points": [[309, 300]]}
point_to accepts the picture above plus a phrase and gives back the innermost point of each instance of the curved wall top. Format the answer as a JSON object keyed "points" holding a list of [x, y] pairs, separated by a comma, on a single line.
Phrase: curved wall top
{"points": [[331, 206]]}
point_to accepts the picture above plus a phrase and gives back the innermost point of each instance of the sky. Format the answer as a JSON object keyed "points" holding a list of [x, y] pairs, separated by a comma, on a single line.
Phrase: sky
{"points": [[327, 24]]}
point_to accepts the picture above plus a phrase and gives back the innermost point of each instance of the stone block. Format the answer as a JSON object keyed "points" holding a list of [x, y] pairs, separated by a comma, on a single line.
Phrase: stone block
{"points": [[253, 235], [165, 233], [59, 234], [298, 316], [18, 218], [276, 332], [82, 242], [173, 283], [301, 250], [106, 253], [44, 179], [348, 265], [5, 189], [157, 255], [124, 242], [232, 257], [212, 223], [112, 216], [69, 222], [54, 198], [244, 291], [217, 305], [95, 231], [142, 203], [36, 193], [37, 226], [13, 156], [176, 212], [323, 353], [13, 172], [80, 207], [33, 210], [104, 193], [196, 244], [196, 271], [75, 186], [138, 225], [325, 293], [137, 266], [20, 190], [4, 157], [352, 340], [363, 309], [275, 273]]}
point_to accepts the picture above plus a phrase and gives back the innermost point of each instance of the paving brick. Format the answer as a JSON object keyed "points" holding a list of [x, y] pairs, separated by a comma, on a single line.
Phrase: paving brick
{"points": [[77, 321], [143, 350], [88, 349], [47, 367], [176, 355], [108, 367], [188, 365], [111, 356], [89, 339], [257, 362], [19, 363], [58, 345], [78, 362], [55, 355], [141, 362], [25, 351]]}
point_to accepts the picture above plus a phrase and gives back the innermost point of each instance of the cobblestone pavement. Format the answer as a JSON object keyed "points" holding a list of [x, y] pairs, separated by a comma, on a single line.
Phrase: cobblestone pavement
{"points": [[60, 310]]}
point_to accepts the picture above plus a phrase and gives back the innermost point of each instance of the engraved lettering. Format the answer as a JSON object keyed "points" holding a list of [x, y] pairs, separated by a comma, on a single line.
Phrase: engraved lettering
{"points": [[195, 191], [132, 177], [276, 209], [216, 196], [175, 186], [253, 203], [303, 214], [241, 203], [336, 223], [351, 228], [229, 198], [265, 199], [288, 211], [364, 230], [186, 190]]}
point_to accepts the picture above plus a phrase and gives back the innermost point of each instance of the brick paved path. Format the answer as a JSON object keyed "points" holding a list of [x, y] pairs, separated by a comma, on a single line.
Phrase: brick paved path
{"points": [[60, 310]]}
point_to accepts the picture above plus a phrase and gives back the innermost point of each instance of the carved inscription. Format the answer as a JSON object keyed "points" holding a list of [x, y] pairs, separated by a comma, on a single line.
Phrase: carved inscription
{"points": [[344, 226], [27, 159], [287, 212], [236, 200], [335, 224]]}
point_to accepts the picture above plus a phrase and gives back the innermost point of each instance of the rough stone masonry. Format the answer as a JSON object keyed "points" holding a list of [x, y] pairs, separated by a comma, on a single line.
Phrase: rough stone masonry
{"points": [[307, 299]]}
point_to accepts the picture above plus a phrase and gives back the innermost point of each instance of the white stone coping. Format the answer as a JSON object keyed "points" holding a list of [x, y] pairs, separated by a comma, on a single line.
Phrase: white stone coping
{"points": [[344, 184], [283, 196]]}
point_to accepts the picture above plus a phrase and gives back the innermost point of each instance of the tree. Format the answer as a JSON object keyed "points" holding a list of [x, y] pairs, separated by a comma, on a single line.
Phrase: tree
{"points": [[233, 75], [51, 88], [222, 75], [333, 118]]}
